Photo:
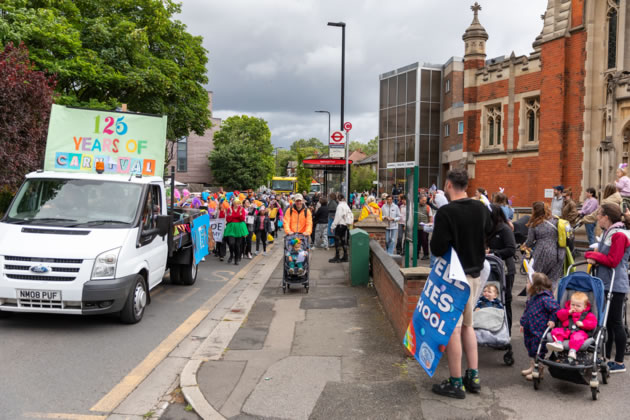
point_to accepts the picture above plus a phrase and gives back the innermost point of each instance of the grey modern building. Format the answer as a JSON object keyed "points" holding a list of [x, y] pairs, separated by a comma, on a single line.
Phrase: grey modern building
{"points": [[409, 123]]}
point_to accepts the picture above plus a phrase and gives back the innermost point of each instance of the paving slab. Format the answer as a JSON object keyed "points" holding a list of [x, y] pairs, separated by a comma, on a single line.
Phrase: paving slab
{"points": [[218, 379], [329, 303], [292, 386], [380, 400]]}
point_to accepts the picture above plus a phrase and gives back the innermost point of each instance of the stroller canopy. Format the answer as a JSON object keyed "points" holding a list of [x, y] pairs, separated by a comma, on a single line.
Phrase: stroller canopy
{"points": [[583, 282]]}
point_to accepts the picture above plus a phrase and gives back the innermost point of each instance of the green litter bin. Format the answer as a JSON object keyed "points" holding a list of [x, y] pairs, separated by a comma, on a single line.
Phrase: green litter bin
{"points": [[359, 257]]}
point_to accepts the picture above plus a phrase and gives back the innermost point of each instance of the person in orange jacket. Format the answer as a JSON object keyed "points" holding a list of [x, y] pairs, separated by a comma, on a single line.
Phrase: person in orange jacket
{"points": [[298, 218]]}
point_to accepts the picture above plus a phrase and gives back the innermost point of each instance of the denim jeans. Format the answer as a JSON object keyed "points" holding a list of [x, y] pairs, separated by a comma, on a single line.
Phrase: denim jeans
{"points": [[390, 240], [331, 234], [590, 232]]}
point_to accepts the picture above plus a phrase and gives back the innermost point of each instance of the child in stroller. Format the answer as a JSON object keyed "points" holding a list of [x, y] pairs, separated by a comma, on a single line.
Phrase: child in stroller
{"points": [[577, 321], [489, 298], [588, 362], [296, 257], [296, 261]]}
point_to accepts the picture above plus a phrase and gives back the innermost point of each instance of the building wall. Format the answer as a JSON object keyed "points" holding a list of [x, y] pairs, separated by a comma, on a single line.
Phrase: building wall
{"points": [[199, 148]]}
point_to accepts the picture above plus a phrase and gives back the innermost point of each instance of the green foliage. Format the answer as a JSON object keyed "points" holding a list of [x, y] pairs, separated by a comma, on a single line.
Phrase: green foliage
{"points": [[105, 53], [284, 156], [304, 175], [313, 145], [5, 199], [243, 154], [361, 178], [369, 148]]}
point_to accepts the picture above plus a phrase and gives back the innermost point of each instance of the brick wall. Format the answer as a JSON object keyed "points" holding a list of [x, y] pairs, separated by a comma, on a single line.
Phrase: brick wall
{"points": [[520, 180], [397, 294]]}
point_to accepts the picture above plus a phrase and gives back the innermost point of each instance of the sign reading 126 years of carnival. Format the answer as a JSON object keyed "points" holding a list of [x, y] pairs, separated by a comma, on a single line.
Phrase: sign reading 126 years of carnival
{"points": [[126, 143]]}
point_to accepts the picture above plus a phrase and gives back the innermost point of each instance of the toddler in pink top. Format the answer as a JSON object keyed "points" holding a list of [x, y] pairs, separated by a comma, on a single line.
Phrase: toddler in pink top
{"points": [[576, 319], [623, 182]]}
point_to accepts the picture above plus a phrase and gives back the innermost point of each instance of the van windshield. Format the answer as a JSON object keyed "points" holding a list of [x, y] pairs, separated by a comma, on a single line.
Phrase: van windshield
{"points": [[73, 202], [281, 185]]}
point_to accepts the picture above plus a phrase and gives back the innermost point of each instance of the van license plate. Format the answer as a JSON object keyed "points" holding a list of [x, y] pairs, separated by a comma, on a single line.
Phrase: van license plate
{"points": [[51, 295]]}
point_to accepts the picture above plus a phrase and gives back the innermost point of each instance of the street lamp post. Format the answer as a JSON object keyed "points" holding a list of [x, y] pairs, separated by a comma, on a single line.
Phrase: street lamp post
{"points": [[325, 172], [342, 25], [328, 123]]}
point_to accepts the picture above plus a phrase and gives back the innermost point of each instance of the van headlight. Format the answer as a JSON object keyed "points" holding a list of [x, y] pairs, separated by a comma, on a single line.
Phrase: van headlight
{"points": [[105, 265]]}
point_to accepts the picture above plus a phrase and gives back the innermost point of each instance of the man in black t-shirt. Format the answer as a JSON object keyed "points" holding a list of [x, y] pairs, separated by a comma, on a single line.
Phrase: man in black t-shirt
{"points": [[463, 224]]}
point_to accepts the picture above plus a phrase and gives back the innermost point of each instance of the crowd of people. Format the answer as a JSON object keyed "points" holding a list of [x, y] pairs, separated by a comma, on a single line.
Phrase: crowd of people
{"points": [[473, 227], [484, 224]]}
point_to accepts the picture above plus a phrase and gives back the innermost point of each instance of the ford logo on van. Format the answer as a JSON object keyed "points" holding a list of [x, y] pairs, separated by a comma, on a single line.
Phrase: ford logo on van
{"points": [[40, 269]]}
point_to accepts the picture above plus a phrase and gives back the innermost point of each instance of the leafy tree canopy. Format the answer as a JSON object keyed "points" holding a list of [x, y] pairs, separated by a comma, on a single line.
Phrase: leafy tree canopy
{"points": [[312, 143], [105, 53], [369, 148], [304, 175], [243, 155], [361, 178], [26, 97]]}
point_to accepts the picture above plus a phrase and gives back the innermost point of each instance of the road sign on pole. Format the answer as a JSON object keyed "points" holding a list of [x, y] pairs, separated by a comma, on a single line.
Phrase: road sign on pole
{"points": [[347, 126], [337, 138]]}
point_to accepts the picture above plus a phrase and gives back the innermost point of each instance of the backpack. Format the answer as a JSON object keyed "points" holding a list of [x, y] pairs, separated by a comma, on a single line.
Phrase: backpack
{"points": [[565, 231]]}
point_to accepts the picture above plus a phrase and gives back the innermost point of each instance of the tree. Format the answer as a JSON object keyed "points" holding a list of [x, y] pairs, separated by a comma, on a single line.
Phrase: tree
{"points": [[105, 53], [243, 154], [284, 157], [361, 178], [304, 175], [313, 143], [26, 97], [369, 148]]}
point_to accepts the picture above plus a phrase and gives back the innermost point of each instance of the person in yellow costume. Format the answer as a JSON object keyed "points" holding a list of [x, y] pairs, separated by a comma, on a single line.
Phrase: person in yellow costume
{"points": [[371, 209]]}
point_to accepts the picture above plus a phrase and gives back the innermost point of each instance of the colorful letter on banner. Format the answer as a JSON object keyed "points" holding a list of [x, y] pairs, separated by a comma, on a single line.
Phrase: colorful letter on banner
{"points": [[218, 226], [441, 303], [200, 227]]}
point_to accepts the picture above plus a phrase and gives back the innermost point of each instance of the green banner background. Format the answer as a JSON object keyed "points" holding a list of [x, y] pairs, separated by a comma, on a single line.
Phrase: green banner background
{"points": [[125, 142]]}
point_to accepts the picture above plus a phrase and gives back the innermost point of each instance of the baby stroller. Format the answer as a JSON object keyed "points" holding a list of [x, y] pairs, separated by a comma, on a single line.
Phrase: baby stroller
{"points": [[590, 357], [491, 324], [289, 276]]}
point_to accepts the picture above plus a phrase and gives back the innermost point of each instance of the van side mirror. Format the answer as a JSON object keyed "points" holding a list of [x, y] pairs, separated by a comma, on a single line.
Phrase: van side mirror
{"points": [[164, 223]]}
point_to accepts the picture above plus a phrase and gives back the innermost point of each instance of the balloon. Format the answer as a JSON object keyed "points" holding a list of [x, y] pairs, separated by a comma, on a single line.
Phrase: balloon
{"points": [[229, 195], [196, 202], [177, 195], [241, 197], [212, 204], [204, 196], [186, 192]]}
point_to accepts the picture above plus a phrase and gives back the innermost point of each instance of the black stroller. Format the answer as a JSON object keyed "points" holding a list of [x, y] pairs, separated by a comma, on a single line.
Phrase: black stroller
{"points": [[294, 276], [590, 357], [494, 333]]}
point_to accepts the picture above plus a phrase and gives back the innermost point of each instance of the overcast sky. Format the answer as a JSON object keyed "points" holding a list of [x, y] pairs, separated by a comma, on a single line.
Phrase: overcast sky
{"points": [[277, 59]]}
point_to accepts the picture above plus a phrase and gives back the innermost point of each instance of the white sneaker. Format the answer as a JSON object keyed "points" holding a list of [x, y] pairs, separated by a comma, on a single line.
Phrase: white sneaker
{"points": [[572, 354], [555, 346]]}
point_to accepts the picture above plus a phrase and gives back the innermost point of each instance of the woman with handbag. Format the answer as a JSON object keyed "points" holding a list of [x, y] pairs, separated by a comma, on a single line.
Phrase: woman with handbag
{"points": [[262, 227]]}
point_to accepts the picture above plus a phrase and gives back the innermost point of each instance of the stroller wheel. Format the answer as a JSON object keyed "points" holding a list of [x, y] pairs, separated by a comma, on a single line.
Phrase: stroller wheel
{"points": [[536, 383], [594, 392], [284, 289], [306, 288], [627, 352], [508, 358], [288, 286], [605, 374]]}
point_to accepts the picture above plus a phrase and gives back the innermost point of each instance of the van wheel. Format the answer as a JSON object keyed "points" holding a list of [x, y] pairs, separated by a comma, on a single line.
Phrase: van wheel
{"points": [[188, 273], [136, 302], [174, 271]]}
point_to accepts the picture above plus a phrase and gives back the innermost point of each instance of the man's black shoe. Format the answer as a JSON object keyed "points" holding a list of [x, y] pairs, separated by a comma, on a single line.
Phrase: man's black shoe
{"points": [[447, 389], [334, 260], [472, 384], [344, 259]]}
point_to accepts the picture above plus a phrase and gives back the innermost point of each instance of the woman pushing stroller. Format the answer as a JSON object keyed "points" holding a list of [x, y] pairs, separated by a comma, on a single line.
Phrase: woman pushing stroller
{"points": [[612, 256]]}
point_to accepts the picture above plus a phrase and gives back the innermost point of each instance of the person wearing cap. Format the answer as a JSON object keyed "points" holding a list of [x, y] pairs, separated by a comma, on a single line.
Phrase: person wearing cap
{"points": [[557, 202], [298, 218], [391, 215]]}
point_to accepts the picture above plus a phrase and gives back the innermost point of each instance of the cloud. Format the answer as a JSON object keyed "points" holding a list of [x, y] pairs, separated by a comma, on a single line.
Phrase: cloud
{"points": [[263, 69], [278, 58]]}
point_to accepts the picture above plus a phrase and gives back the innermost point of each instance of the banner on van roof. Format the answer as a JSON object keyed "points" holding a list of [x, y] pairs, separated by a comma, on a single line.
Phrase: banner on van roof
{"points": [[126, 143]]}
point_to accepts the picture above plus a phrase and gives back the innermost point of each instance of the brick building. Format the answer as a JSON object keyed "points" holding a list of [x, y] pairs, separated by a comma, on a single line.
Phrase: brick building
{"points": [[560, 115], [191, 154]]}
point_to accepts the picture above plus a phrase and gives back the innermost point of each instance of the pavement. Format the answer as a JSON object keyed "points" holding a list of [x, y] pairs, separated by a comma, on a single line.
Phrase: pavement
{"points": [[332, 354]]}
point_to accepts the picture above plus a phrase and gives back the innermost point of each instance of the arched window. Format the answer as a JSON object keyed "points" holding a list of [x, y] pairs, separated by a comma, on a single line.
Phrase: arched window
{"points": [[532, 107], [493, 126], [613, 8]]}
